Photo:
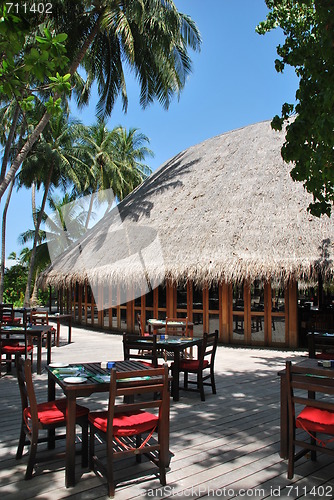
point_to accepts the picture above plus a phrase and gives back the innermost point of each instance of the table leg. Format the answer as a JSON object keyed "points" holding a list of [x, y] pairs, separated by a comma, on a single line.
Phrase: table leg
{"points": [[58, 332], [51, 397], [70, 440], [176, 377], [70, 329], [39, 353], [48, 351], [284, 419]]}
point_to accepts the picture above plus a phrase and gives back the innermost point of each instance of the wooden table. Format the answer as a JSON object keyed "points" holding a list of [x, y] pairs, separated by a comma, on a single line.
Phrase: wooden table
{"points": [[159, 324], [284, 433], [176, 345], [74, 391], [38, 332], [57, 318]]}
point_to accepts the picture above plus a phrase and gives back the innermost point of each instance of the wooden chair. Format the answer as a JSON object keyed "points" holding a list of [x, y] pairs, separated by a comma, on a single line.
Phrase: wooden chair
{"points": [[123, 426], [320, 345], [141, 326], [7, 315], [43, 416], [42, 318], [179, 328], [149, 357], [10, 347], [39, 317], [317, 415], [203, 367]]}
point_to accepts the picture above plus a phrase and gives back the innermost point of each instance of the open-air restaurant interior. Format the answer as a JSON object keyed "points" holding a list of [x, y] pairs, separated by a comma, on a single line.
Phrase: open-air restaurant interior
{"points": [[162, 410], [190, 354]]}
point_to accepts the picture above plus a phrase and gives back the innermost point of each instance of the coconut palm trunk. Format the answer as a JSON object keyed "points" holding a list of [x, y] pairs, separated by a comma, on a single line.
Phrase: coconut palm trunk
{"points": [[9, 141], [33, 252], [3, 240]]}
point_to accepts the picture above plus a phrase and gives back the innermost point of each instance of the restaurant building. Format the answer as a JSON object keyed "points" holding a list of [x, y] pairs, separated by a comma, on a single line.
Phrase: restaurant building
{"points": [[220, 233]]}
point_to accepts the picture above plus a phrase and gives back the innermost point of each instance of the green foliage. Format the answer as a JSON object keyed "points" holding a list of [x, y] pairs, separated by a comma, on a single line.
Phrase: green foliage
{"points": [[15, 281], [308, 27], [34, 56]]}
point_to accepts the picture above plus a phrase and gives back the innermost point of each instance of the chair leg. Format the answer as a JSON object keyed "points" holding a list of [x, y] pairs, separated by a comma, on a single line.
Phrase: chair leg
{"points": [[313, 452], [162, 473], [91, 447], [200, 385], [32, 458], [185, 380], [84, 445], [213, 383], [21, 444], [138, 443], [110, 475]]}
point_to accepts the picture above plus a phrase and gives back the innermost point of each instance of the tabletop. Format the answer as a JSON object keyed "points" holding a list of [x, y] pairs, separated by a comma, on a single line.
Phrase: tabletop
{"points": [[92, 378]]}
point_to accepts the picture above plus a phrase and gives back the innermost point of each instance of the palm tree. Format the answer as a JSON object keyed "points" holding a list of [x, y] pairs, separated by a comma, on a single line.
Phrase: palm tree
{"points": [[114, 159], [149, 36], [50, 163], [62, 228], [130, 150]]}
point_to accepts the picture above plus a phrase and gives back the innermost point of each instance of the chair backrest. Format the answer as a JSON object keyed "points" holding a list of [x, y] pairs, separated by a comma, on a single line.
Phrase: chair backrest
{"points": [[133, 350], [152, 388], [177, 326], [304, 383], [319, 343], [209, 348], [6, 311], [140, 324], [39, 317], [26, 386]]}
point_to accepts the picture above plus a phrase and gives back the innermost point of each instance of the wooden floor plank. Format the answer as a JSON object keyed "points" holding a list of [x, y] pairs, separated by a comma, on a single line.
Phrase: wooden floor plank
{"points": [[229, 441]]}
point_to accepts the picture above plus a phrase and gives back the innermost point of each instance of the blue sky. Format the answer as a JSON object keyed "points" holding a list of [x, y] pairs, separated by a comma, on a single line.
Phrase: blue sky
{"points": [[233, 84]]}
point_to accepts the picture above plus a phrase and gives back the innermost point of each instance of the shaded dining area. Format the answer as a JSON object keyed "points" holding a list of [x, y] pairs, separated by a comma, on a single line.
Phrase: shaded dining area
{"points": [[229, 441], [26, 331]]}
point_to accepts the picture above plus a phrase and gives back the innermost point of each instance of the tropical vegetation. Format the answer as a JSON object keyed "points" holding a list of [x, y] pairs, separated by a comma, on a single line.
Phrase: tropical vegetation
{"points": [[43, 148], [308, 28]]}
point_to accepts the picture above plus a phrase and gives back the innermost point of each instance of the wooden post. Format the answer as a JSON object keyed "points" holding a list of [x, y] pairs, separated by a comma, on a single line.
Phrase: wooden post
{"points": [[80, 303], [170, 299], [224, 313], [267, 314], [205, 309], [247, 313], [293, 314]]}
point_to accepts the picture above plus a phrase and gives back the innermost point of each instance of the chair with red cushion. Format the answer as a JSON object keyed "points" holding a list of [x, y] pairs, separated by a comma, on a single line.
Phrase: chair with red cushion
{"points": [[305, 385], [7, 314], [133, 428], [148, 357], [46, 416], [203, 367], [42, 318], [320, 345], [11, 346]]}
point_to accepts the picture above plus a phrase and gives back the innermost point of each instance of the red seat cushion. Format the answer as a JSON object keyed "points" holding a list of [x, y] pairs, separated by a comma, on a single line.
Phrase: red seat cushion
{"points": [[11, 320], [325, 355], [148, 363], [316, 420], [9, 343], [125, 424], [53, 412], [192, 364], [16, 349]]}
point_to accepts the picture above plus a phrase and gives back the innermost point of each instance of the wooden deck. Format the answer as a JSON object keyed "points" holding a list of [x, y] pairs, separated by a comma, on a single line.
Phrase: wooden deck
{"points": [[228, 444]]}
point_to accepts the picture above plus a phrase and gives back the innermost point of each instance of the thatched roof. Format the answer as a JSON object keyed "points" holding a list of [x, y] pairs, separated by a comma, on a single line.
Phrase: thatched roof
{"points": [[225, 209]]}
